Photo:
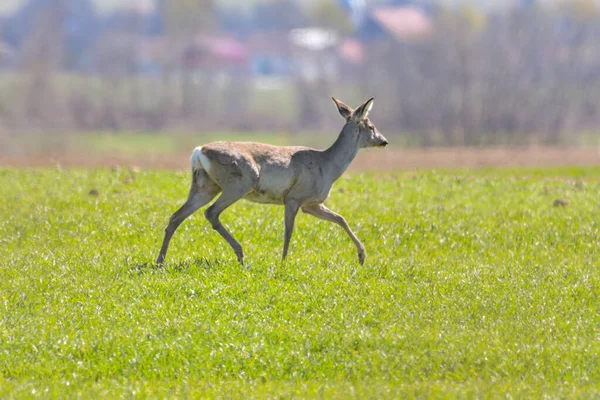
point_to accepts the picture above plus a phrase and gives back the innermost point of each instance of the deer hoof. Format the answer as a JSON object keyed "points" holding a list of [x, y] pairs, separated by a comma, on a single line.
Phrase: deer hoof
{"points": [[240, 257], [361, 257]]}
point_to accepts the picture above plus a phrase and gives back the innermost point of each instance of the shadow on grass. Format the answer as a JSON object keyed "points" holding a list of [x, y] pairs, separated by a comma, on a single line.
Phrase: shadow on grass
{"points": [[151, 267]]}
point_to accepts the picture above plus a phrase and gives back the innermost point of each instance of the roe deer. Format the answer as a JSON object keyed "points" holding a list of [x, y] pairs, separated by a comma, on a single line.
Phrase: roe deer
{"points": [[296, 177]]}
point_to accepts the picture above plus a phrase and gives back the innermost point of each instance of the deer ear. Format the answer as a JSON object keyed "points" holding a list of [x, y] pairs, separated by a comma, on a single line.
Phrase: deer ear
{"points": [[362, 112], [345, 111]]}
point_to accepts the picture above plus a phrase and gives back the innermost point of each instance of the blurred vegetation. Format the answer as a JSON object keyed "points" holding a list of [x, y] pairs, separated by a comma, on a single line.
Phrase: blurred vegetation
{"points": [[187, 17], [524, 75]]}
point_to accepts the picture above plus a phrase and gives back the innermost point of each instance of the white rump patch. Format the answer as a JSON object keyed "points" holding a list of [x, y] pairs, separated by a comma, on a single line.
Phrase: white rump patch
{"points": [[199, 160]]}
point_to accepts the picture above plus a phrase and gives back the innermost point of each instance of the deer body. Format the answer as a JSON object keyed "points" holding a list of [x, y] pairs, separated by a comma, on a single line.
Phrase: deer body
{"points": [[293, 176]]}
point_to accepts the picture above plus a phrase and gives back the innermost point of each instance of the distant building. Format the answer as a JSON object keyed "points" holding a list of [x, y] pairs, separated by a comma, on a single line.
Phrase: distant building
{"points": [[214, 52], [403, 23], [202, 53], [270, 55]]}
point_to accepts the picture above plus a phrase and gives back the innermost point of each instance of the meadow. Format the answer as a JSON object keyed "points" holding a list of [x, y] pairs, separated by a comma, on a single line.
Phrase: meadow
{"points": [[477, 284]]}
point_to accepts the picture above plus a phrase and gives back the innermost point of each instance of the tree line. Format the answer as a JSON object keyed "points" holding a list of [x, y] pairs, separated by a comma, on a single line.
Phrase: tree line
{"points": [[528, 74]]}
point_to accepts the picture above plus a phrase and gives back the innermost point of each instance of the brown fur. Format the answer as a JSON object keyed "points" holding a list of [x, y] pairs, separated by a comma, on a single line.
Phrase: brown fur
{"points": [[294, 176]]}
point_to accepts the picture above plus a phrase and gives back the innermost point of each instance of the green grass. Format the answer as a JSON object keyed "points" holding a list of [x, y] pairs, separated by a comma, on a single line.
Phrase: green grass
{"points": [[474, 286]]}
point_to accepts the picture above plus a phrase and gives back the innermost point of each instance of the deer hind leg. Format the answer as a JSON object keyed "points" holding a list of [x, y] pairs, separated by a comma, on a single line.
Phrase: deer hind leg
{"points": [[322, 212], [202, 191], [227, 198]]}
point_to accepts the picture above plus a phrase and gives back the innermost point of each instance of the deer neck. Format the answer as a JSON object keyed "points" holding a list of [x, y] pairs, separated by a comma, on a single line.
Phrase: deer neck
{"points": [[341, 153]]}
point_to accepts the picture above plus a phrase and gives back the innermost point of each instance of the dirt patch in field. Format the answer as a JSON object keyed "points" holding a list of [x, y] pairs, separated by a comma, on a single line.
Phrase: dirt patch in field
{"points": [[372, 159], [474, 157]]}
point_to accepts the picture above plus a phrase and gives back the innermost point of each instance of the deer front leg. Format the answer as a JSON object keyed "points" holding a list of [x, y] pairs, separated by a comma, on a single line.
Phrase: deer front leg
{"points": [[291, 210], [322, 212]]}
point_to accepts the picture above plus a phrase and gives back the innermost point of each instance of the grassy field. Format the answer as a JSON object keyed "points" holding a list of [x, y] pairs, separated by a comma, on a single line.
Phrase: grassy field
{"points": [[475, 285]]}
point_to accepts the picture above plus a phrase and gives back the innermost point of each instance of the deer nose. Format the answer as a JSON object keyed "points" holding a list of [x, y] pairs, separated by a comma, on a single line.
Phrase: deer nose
{"points": [[385, 143]]}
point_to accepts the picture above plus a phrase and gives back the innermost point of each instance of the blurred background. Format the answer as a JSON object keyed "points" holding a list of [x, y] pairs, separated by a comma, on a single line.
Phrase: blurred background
{"points": [[157, 77]]}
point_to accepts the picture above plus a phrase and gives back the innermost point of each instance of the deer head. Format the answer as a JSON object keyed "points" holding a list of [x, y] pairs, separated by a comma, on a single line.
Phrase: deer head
{"points": [[368, 134]]}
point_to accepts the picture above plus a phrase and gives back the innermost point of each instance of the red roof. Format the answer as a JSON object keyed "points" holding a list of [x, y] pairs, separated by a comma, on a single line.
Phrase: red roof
{"points": [[224, 47], [352, 51], [408, 22]]}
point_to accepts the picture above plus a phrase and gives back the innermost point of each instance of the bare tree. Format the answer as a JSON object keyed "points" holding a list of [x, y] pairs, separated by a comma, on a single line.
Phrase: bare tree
{"points": [[43, 56], [183, 20]]}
